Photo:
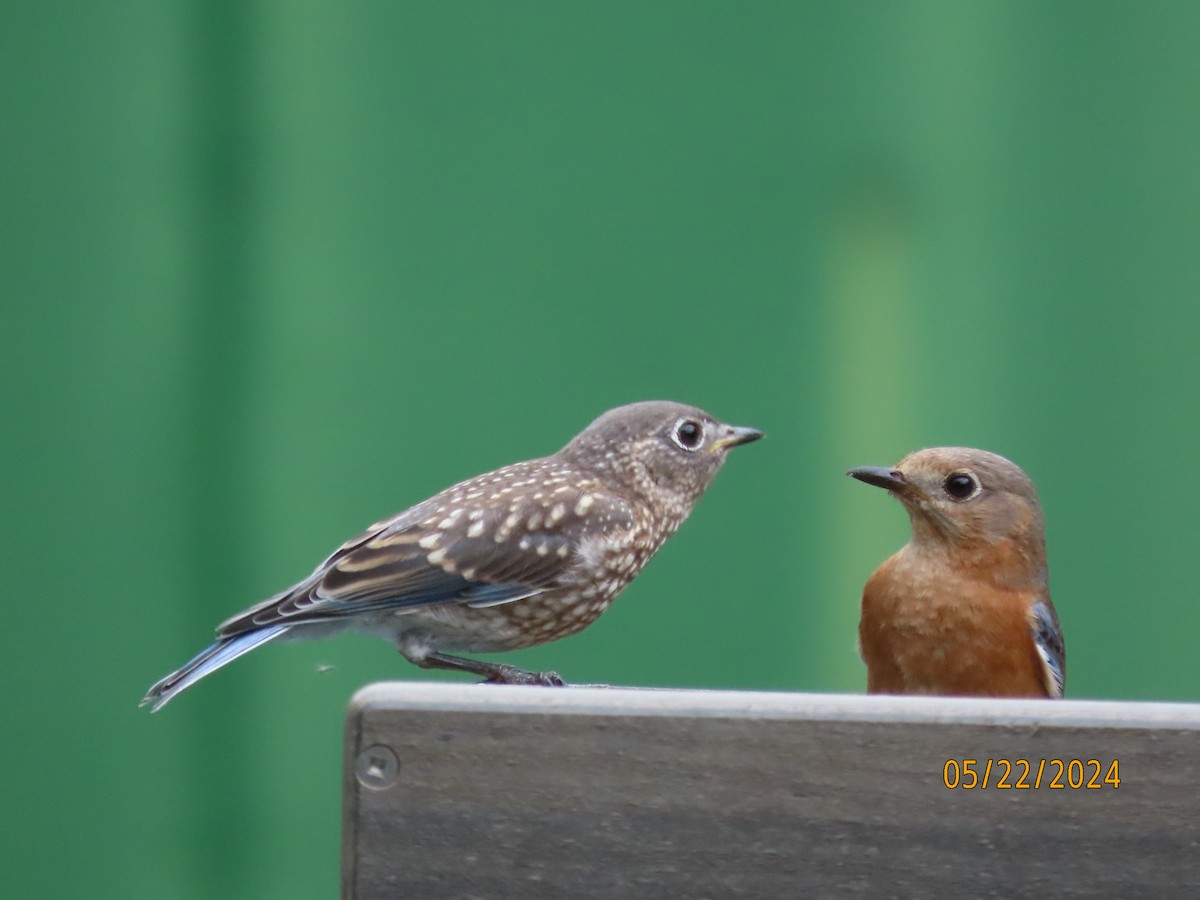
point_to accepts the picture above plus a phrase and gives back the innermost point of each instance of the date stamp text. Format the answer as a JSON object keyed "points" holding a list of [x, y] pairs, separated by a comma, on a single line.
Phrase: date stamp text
{"points": [[1031, 774]]}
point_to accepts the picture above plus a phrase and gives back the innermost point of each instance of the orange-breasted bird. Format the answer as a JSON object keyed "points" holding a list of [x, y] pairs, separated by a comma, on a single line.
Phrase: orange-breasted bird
{"points": [[963, 608]]}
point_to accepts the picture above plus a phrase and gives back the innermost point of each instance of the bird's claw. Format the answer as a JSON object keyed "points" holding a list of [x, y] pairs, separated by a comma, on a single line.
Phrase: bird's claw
{"points": [[514, 675]]}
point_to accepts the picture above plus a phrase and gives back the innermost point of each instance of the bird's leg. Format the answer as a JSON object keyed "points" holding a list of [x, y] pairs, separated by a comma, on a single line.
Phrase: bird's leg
{"points": [[496, 673]]}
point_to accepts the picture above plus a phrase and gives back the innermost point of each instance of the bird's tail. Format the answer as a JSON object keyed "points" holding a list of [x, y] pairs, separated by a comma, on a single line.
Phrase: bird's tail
{"points": [[226, 650]]}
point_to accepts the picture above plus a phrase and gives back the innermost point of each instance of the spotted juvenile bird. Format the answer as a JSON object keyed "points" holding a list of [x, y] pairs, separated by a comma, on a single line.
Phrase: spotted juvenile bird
{"points": [[964, 608], [527, 554]]}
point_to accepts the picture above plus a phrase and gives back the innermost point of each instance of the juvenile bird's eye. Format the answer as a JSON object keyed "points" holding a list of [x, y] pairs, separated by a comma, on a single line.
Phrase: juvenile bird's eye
{"points": [[961, 485], [688, 434]]}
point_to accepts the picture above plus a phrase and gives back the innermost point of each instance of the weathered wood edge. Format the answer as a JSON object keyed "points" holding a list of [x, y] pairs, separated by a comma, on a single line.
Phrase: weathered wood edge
{"points": [[587, 700], [377, 710], [351, 738]]}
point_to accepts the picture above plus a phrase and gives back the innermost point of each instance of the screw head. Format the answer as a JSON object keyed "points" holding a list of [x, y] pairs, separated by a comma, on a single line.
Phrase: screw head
{"points": [[377, 767]]}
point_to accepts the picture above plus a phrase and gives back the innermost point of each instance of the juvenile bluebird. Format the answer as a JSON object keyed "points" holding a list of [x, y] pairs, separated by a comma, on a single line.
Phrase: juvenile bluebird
{"points": [[963, 608], [520, 556]]}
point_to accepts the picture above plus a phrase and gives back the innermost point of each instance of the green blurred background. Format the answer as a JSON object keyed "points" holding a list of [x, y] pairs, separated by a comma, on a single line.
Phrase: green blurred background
{"points": [[274, 271]]}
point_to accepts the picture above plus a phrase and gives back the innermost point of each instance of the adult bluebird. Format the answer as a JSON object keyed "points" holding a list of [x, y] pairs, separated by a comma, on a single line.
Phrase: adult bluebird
{"points": [[517, 557], [964, 608]]}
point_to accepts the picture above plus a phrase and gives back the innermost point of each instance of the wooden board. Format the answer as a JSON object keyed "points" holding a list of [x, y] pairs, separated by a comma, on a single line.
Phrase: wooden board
{"points": [[520, 792]]}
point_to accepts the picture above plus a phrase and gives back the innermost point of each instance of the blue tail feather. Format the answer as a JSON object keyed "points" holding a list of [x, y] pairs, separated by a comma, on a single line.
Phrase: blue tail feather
{"points": [[208, 661]]}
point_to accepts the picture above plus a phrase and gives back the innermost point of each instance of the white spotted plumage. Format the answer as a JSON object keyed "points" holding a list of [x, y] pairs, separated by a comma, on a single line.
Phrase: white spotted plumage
{"points": [[528, 553]]}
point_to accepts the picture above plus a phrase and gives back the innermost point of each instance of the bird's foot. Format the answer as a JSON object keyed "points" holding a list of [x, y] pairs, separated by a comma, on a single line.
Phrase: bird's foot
{"points": [[492, 673], [512, 675]]}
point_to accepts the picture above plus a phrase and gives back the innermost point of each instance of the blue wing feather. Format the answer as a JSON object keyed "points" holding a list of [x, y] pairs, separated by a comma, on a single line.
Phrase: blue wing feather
{"points": [[1047, 635]]}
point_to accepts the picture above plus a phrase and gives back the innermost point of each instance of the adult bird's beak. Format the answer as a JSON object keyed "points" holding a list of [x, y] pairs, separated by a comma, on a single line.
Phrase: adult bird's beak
{"points": [[734, 435], [889, 479]]}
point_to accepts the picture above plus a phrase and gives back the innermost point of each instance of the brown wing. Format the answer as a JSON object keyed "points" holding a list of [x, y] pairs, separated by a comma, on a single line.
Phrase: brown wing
{"points": [[443, 552]]}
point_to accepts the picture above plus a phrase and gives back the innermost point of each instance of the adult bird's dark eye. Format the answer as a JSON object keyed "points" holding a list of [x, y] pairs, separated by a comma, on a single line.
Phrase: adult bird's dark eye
{"points": [[960, 486], [688, 434]]}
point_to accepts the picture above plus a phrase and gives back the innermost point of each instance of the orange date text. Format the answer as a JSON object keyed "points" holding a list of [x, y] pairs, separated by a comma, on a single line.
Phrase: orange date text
{"points": [[1031, 774]]}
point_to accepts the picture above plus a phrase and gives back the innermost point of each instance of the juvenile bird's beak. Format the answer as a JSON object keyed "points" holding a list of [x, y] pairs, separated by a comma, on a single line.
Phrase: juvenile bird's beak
{"points": [[889, 479], [735, 435]]}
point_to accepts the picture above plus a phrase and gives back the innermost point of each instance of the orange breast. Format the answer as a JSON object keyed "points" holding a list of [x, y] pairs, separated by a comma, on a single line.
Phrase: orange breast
{"points": [[938, 632]]}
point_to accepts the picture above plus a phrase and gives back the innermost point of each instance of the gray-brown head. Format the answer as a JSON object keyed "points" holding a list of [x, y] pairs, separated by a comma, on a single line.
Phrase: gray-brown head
{"points": [[657, 448], [977, 503]]}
